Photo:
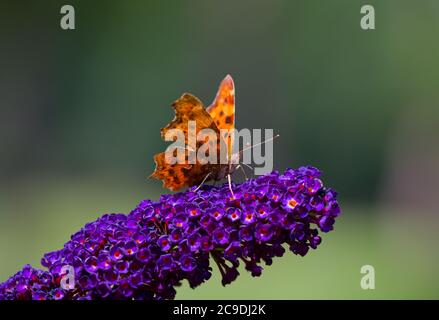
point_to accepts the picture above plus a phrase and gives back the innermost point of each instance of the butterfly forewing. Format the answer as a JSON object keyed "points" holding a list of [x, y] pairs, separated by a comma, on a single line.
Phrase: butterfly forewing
{"points": [[222, 110], [186, 173]]}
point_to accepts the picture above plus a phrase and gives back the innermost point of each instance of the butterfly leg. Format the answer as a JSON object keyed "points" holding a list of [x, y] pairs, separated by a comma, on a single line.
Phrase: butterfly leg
{"points": [[202, 182], [243, 171], [248, 166], [229, 179]]}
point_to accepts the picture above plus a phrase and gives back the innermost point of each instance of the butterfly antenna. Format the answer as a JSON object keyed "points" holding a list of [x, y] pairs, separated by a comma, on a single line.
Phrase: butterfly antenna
{"points": [[250, 147], [258, 144]]}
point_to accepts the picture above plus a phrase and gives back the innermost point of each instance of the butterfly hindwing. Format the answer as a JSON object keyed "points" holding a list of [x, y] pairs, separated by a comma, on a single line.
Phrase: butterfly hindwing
{"points": [[177, 176]]}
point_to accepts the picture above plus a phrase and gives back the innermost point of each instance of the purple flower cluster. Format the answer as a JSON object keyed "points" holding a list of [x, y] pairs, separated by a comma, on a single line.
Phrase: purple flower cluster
{"points": [[150, 251]]}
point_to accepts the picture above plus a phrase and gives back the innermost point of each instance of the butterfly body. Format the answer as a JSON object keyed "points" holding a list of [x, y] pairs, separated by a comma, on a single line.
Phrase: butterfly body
{"points": [[219, 118]]}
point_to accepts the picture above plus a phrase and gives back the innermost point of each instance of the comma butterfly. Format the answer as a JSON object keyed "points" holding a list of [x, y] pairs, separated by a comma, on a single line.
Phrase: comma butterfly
{"points": [[219, 117]]}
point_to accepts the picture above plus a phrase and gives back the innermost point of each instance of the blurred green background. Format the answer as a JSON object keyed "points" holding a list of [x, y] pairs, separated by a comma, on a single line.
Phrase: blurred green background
{"points": [[81, 112]]}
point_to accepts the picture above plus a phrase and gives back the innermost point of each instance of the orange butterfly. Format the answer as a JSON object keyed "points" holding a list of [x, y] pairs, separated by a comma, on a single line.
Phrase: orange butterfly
{"points": [[218, 116]]}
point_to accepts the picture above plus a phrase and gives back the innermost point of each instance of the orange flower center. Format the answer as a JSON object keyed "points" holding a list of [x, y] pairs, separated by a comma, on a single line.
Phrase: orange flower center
{"points": [[292, 203]]}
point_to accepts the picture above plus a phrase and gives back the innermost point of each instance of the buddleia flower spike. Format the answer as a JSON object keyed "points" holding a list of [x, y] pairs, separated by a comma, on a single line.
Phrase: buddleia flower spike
{"points": [[147, 253]]}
